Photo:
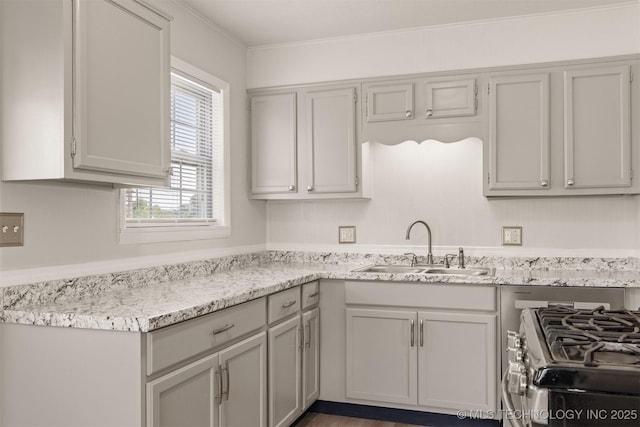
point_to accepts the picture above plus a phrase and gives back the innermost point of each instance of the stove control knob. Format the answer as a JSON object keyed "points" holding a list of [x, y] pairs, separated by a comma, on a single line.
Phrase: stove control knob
{"points": [[514, 340], [517, 379], [515, 355]]}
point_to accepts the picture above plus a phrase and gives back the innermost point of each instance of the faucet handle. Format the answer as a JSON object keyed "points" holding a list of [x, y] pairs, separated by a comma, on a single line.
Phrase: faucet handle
{"points": [[461, 257], [414, 258], [447, 263]]}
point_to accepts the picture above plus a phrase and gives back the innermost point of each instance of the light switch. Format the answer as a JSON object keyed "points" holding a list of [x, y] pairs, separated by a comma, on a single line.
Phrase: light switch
{"points": [[511, 236], [347, 234], [11, 229]]}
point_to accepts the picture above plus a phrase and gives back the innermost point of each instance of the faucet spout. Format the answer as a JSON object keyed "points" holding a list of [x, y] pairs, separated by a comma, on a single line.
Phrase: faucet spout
{"points": [[429, 254]]}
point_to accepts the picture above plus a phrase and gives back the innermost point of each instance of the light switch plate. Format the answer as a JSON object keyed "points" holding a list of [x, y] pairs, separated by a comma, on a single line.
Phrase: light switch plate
{"points": [[11, 229], [511, 236], [347, 234]]}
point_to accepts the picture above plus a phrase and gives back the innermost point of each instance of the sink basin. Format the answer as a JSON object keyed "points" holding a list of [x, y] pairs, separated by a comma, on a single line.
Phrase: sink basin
{"points": [[472, 271], [427, 269], [392, 269]]}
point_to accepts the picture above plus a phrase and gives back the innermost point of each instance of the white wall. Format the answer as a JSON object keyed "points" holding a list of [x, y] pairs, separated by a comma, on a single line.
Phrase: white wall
{"points": [[442, 183], [74, 224], [568, 35]]}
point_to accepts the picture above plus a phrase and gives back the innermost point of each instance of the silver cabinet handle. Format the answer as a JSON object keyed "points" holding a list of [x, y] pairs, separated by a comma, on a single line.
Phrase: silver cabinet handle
{"points": [[288, 304], [225, 328], [219, 391], [301, 338], [225, 392], [315, 294], [307, 338], [408, 113], [309, 187], [421, 333], [570, 182], [544, 183], [413, 328], [429, 113], [292, 188]]}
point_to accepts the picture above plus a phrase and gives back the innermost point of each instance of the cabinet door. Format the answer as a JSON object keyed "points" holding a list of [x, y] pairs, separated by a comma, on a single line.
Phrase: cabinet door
{"points": [[244, 379], [311, 357], [121, 89], [273, 143], [381, 355], [387, 102], [185, 397], [519, 140], [285, 368], [597, 137], [330, 138], [457, 361], [455, 98]]}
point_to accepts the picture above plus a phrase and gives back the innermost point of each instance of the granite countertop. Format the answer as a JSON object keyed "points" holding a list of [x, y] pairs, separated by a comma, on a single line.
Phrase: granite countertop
{"points": [[162, 297]]}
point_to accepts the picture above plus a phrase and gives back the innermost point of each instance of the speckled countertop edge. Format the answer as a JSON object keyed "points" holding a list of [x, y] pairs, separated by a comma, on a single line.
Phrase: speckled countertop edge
{"points": [[145, 300]]}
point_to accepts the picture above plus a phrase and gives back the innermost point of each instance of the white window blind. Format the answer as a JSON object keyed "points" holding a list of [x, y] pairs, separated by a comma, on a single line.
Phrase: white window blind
{"points": [[195, 195]]}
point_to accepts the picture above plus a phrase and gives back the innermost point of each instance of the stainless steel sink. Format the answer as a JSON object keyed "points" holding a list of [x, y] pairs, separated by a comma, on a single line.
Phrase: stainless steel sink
{"points": [[468, 271], [392, 269], [427, 269]]}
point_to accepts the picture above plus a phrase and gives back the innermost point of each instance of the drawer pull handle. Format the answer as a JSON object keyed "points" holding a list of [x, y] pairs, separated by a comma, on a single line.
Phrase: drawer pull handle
{"points": [[315, 294], [288, 304], [225, 328]]}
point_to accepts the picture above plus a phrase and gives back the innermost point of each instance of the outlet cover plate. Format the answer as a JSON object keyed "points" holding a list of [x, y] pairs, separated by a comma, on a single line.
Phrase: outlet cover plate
{"points": [[511, 236], [11, 229], [347, 234]]}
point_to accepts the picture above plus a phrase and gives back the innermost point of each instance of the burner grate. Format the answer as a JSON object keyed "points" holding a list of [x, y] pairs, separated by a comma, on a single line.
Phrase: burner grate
{"points": [[593, 337]]}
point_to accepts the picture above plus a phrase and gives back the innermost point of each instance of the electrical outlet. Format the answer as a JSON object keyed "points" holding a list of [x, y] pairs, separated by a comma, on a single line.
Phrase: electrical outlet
{"points": [[511, 236], [347, 234], [11, 229]]}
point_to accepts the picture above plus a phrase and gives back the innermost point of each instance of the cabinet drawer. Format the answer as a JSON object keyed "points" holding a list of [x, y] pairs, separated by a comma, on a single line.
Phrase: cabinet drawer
{"points": [[456, 297], [310, 294], [283, 304], [172, 344]]}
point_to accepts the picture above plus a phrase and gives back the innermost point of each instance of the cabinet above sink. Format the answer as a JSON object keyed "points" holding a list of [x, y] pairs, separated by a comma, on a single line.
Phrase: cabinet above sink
{"points": [[442, 107]]}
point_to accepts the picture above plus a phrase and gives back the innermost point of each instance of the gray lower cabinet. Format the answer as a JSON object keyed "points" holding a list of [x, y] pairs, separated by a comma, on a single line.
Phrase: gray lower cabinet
{"points": [[227, 388], [404, 355], [285, 369], [294, 352]]}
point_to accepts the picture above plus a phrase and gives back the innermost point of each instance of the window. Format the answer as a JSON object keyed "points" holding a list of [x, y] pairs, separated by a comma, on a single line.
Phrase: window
{"points": [[196, 204]]}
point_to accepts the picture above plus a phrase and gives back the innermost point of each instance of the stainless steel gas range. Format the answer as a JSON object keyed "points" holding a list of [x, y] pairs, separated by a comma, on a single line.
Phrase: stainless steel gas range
{"points": [[570, 367]]}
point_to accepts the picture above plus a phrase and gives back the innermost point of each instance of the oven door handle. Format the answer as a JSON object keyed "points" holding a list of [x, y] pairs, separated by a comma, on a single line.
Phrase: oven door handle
{"points": [[508, 402]]}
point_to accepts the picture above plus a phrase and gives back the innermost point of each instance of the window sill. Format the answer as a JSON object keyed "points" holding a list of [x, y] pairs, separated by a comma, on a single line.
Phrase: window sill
{"points": [[136, 235]]}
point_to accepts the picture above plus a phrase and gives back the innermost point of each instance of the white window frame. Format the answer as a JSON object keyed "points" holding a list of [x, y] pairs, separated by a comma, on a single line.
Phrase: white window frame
{"points": [[172, 232]]}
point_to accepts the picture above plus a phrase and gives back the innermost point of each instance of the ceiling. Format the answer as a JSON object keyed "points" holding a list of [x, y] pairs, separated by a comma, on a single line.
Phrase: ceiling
{"points": [[266, 22]]}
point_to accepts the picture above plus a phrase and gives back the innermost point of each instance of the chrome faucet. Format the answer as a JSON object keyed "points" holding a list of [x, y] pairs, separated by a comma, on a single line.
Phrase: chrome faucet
{"points": [[429, 254]]}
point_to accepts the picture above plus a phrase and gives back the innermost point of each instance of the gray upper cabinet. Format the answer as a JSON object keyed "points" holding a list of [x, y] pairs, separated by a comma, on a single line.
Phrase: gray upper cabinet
{"points": [[597, 137], [518, 146], [98, 98], [563, 129], [440, 107], [304, 144], [393, 101], [456, 98], [274, 143]]}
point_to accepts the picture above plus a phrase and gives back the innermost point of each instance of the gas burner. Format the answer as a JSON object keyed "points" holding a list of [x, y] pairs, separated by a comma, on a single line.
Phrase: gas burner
{"points": [[593, 337]]}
